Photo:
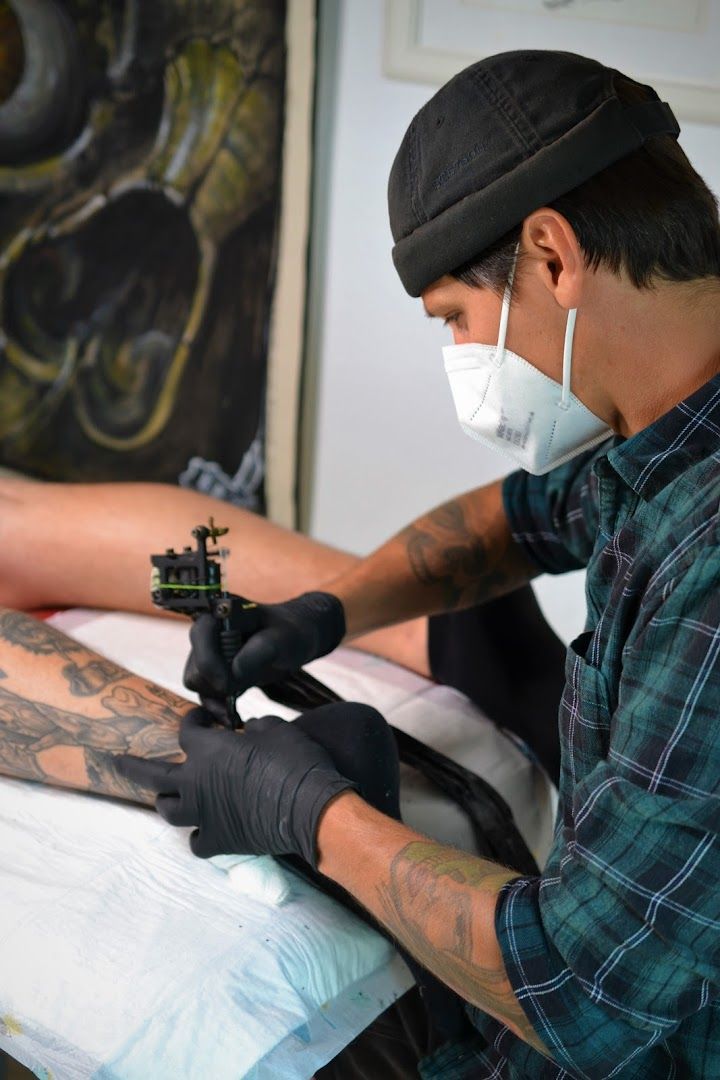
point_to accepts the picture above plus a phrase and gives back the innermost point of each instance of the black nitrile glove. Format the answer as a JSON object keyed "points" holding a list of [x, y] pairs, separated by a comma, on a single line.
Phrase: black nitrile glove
{"points": [[259, 791], [280, 639]]}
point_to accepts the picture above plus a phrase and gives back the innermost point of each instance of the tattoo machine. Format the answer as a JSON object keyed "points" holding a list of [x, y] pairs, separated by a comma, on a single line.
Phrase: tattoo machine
{"points": [[191, 582]]}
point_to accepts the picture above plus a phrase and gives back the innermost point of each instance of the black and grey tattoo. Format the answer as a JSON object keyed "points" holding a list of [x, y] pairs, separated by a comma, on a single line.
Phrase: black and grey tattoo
{"points": [[31, 732], [93, 677], [446, 553], [55, 745], [35, 636], [32, 635], [173, 701]]}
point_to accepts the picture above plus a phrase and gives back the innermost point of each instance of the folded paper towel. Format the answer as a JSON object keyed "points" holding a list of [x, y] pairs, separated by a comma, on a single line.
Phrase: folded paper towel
{"points": [[258, 877]]}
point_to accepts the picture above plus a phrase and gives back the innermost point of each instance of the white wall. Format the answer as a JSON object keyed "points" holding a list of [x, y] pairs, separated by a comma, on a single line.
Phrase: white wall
{"points": [[386, 442]]}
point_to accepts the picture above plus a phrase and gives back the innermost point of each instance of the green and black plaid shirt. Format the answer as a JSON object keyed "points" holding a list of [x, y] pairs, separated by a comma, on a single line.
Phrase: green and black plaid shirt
{"points": [[614, 952]]}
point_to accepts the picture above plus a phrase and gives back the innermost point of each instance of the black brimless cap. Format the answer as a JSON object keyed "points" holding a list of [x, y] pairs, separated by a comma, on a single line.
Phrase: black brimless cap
{"points": [[504, 137]]}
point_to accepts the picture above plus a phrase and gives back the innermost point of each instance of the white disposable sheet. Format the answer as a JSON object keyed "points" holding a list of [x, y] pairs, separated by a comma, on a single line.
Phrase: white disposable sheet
{"points": [[123, 956]]}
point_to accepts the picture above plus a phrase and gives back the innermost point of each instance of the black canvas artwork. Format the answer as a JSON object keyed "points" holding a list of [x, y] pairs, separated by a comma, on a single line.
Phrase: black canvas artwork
{"points": [[140, 152]]}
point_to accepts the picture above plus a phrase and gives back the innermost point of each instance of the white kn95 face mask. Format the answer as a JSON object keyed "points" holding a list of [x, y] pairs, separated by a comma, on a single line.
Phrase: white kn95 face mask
{"points": [[503, 401]]}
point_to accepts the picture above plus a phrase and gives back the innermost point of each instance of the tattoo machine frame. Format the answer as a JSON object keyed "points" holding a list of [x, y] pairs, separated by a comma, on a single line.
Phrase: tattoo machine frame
{"points": [[192, 582]]}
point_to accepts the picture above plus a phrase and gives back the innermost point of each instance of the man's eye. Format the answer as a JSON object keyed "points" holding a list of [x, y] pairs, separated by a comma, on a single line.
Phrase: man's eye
{"points": [[450, 320]]}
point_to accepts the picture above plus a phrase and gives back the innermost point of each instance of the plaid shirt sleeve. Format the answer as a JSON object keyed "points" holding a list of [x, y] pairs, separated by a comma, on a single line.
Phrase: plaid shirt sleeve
{"points": [[554, 517], [619, 941]]}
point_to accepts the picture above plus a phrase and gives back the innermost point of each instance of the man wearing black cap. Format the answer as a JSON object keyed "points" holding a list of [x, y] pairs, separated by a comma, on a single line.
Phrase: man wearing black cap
{"points": [[540, 205]]}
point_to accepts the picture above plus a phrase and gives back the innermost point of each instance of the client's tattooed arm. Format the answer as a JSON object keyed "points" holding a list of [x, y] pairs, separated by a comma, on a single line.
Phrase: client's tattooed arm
{"points": [[64, 712]]}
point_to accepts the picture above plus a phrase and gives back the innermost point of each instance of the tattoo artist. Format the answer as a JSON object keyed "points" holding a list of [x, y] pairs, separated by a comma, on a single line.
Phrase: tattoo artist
{"points": [[541, 205]]}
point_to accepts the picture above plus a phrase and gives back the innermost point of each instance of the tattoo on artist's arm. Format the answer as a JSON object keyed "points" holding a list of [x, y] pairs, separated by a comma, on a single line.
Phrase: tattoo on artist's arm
{"points": [[447, 553], [427, 878]]}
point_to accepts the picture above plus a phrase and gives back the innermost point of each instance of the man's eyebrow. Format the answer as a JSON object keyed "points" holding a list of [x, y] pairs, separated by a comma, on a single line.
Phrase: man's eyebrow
{"points": [[442, 310]]}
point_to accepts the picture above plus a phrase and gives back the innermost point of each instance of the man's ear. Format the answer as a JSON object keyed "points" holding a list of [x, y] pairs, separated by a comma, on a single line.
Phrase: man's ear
{"points": [[549, 240]]}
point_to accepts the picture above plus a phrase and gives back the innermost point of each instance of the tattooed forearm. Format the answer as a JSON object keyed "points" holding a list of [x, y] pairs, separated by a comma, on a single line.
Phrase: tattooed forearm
{"points": [[65, 712], [466, 562], [429, 904], [40, 639], [44, 742]]}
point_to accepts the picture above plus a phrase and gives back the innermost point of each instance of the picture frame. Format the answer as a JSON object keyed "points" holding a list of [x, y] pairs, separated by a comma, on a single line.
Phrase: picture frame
{"points": [[672, 46]]}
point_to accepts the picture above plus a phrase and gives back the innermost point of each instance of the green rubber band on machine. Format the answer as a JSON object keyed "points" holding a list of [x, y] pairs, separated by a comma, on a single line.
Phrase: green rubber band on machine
{"points": [[194, 588]]}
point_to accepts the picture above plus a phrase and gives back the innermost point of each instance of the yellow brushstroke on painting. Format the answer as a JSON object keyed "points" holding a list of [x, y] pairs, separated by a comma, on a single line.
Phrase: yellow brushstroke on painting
{"points": [[10, 1026]]}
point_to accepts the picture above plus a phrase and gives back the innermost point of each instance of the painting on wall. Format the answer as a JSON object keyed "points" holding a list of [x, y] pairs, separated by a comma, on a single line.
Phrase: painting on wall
{"points": [[672, 46], [140, 164]]}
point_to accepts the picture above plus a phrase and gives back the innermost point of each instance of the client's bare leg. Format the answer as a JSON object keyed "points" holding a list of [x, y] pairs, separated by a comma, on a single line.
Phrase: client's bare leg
{"points": [[89, 544], [65, 711]]}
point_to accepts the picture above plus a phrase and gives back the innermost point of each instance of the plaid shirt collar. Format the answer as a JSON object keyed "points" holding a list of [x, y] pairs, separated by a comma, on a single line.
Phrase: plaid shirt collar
{"points": [[682, 437]]}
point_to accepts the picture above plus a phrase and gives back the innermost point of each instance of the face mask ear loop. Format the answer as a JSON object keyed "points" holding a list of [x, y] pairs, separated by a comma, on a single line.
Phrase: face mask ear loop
{"points": [[505, 313], [567, 358]]}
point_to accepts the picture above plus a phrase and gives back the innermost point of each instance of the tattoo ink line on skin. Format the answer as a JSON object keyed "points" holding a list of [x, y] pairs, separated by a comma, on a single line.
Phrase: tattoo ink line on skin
{"points": [[36, 637], [93, 677]]}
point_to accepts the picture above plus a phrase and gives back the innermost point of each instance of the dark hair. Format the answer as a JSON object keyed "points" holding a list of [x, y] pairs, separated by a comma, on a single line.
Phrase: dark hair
{"points": [[649, 215]]}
